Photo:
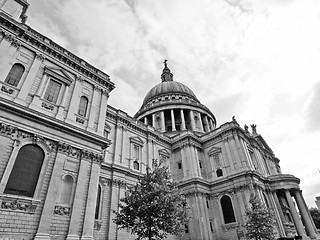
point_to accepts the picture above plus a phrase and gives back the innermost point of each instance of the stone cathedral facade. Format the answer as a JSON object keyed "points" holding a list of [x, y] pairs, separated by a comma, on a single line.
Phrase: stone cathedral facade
{"points": [[66, 156]]}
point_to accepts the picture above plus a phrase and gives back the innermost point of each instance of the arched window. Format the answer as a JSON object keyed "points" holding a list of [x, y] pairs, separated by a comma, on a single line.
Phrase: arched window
{"points": [[15, 74], [136, 165], [83, 106], [227, 210], [25, 172], [98, 203], [66, 189]]}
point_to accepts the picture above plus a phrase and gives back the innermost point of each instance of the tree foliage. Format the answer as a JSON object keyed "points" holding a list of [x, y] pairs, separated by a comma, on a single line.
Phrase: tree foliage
{"points": [[260, 221], [315, 214], [154, 207]]}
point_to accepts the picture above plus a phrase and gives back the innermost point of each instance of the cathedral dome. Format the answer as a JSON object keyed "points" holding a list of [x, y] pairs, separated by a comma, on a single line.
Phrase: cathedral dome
{"points": [[169, 87], [171, 107]]}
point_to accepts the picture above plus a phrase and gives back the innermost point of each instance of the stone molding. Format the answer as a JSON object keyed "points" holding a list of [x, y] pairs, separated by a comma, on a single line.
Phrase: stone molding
{"points": [[216, 195], [12, 39], [114, 182], [16, 134], [62, 210], [18, 204]]}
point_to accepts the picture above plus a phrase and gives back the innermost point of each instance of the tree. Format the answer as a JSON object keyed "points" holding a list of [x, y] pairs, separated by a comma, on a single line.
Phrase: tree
{"points": [[154, 207], [260, 221], [315, 214]]}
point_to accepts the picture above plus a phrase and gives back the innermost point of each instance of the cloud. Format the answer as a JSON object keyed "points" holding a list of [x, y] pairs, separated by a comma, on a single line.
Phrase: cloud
{"points": [[313, 110], [257, 60]]}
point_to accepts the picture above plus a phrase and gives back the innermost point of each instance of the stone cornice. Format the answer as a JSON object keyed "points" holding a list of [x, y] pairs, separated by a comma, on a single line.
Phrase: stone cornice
{"points": [[67, 149], [42, 119], [26, 35]]}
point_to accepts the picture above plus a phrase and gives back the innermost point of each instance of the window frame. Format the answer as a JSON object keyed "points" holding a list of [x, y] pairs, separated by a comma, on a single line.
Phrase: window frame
{"points": [[222, 213], [85, 111], [19, 80], [58, 97], [7, 172], [100, 202]]}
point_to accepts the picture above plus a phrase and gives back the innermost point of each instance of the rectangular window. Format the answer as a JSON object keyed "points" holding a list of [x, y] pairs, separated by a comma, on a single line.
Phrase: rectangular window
{"points": [[53, 91], [136, 152], [211, 226], [179, 165]]}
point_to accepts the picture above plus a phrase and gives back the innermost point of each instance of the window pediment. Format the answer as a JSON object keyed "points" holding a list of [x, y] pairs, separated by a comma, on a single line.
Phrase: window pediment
{"points": [[137, 141], [164, 152], [214, 150], [59, 74]]}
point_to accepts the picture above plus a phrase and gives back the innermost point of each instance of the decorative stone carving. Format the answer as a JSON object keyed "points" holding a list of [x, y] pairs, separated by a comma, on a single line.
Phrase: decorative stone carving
{"points": [[80, 79], [40, 56], [7, 90], [97, 225], [80, 120], [7, 130], [116, 182], [19, 205], [62, 210], [47, 106]]}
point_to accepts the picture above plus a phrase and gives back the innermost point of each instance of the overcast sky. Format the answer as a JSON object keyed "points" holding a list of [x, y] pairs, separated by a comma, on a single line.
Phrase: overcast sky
{"points": [[256, 59]]}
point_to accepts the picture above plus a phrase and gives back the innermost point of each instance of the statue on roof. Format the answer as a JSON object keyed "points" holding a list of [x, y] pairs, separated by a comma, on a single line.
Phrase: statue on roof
{"points": [[165, 63], [254, 128], [234, 119]]}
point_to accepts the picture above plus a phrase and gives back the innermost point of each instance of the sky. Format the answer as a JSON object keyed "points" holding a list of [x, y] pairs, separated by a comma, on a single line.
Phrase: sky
{"points": [[256, 60]]}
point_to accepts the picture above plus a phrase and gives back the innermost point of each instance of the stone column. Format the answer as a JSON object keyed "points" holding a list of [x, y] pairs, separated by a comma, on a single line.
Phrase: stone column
{"points": [[145, 120], [207, 128], [183, 122], [75, 99], [280, 213], [24, 91], [103, 112], [193, 124], [88, 224], [163, 126], [94, 108], [77, 206], [304, 214], [295, 215], [200, 122], [48, 208], [154, 120], [173, 123]]}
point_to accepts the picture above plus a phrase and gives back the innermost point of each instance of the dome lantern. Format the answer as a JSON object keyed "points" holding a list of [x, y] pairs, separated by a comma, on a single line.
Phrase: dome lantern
{"points": [[166, 75]]}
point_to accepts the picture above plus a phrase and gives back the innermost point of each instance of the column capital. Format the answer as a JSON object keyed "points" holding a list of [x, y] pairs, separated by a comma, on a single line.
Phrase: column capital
{"points": [[40, 57]]}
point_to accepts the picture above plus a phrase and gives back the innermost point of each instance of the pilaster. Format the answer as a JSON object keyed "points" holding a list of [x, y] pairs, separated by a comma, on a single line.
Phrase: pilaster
{"points": [[88, 224], [94, 108], [75, 99], [103, 111], [24, 91], [48, 208]]}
